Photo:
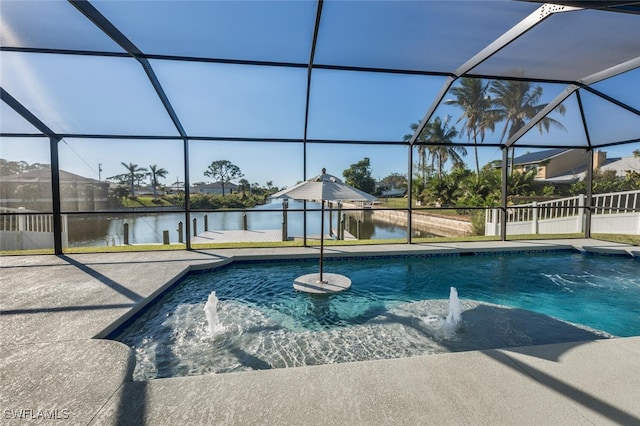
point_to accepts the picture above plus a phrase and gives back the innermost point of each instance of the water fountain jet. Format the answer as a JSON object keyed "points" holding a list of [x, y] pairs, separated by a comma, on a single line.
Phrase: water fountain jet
{"points": [[211, 311], [455, 310]]}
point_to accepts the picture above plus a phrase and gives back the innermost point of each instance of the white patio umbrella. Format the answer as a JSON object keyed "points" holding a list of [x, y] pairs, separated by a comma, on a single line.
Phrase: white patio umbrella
{"points": [[324, 187]]}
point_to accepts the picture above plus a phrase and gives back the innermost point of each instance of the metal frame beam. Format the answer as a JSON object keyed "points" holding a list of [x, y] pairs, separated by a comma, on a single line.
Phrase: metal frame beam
{"points": [[522, 27], [27, 115], [589, 171], [501, 42], [110, 30], [611, 72], [55, 164], [312, 54]]}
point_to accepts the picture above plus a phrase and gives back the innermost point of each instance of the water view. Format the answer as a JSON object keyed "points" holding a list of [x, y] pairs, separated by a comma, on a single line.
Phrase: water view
{"points": [[147, 228]]}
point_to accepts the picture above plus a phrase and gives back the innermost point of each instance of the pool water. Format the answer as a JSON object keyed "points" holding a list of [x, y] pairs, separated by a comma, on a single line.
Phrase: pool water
{"points": [[393, 309]]}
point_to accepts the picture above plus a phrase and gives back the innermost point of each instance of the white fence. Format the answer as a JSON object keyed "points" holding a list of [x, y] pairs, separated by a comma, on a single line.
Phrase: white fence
{"points": [[612, 213], [28, 230]]}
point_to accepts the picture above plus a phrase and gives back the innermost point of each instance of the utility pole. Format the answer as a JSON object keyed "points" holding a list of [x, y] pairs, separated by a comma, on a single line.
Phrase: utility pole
{"points": [[100, 172]]}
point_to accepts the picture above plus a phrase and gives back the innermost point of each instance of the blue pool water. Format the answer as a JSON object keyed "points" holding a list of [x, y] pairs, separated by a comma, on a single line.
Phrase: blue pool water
{"points": [[391, 310]]}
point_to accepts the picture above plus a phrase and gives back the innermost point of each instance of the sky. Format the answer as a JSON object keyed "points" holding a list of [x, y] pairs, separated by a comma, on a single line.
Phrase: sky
{"points": [[95, 95]]}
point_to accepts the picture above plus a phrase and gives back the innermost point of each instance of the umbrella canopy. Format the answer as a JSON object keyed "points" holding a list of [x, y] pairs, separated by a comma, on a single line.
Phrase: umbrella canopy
{"points": [[324, 187]]}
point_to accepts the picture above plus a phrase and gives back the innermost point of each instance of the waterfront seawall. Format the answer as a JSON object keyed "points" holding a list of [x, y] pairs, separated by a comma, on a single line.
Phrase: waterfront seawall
{"points": [[438, 225]]}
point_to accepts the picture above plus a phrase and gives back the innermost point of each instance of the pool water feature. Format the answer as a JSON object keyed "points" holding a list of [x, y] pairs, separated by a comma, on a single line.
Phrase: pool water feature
{"points": [[396, 307]]}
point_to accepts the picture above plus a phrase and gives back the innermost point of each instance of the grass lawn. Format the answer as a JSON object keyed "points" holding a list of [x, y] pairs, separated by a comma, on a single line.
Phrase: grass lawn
{"points": [[624, 239], [145, 201]]}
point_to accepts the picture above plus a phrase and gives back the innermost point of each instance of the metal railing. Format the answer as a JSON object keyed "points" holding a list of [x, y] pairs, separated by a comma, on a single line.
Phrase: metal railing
{"points": [[571, 209], [25, 220]]}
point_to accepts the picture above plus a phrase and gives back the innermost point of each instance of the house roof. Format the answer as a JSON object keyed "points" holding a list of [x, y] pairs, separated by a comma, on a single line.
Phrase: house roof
{"points": [[216, 185], [44, 175], [623, 165], [620, 165], [537, 157]]}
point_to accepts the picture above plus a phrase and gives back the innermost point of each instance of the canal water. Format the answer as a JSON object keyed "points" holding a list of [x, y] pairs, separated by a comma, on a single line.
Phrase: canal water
{"points": [[147, 228]]}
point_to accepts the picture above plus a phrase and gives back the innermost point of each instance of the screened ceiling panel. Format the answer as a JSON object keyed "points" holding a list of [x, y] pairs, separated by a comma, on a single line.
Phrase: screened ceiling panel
{"points": [[568, 46], [280, 31], [278, 162], [514, 111], [12, 122], [368, 106], [624, 87], [413, 35], [228, 100], [607, 122], [81, 93], [86, 94], [52, 25], [101, 159]]}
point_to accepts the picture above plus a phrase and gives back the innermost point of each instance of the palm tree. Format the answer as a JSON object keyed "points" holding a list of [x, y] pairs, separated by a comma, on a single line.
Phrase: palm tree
{"points": [[422, 150], [134, 172], [441, 134], [471, 97], [154, 174], [515, 103]]}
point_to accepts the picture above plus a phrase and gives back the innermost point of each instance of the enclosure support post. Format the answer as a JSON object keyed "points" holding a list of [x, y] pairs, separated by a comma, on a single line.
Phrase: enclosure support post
{"points": [[321, 240], [340, 224], [503, 197], [55, 196], [285, 231], [589, 201], [410, 194]]}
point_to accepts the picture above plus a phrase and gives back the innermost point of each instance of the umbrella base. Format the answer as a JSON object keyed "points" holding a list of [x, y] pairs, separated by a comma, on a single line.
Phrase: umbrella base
{"points": [[331, 283]]}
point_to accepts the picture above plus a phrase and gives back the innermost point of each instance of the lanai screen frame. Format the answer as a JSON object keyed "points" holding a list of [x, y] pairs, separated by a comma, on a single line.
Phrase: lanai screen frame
{"points": [[130, 50]]}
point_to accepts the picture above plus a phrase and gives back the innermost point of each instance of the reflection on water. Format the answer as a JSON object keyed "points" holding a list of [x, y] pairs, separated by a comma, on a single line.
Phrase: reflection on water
{"points": [[147, 228]]}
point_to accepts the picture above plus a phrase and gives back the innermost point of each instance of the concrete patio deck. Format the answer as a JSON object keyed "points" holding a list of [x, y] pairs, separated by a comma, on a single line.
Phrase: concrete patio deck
{"points": [[54, 370]]}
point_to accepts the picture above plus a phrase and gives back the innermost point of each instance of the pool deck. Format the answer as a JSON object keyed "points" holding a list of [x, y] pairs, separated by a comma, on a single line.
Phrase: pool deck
{"points": [[54, 370]]}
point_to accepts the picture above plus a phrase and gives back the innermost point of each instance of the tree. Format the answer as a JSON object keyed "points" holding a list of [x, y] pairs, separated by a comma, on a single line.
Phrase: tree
{"points": [[28, 192], [120, 192], [358, 175], [244, 185], [223, 171], [154, 174], [422, 151], [442, 191], [135, 174], [515, 103], [471, 97], [394, 180], [441, 136], [14, 167]]}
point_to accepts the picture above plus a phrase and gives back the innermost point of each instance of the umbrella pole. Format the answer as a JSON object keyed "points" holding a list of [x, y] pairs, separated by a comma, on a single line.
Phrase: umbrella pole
{"points": [[321, 238]]}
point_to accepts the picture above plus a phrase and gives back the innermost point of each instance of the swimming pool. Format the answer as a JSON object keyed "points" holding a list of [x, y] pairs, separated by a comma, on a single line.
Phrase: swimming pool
{"points": [[391, 310]]}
